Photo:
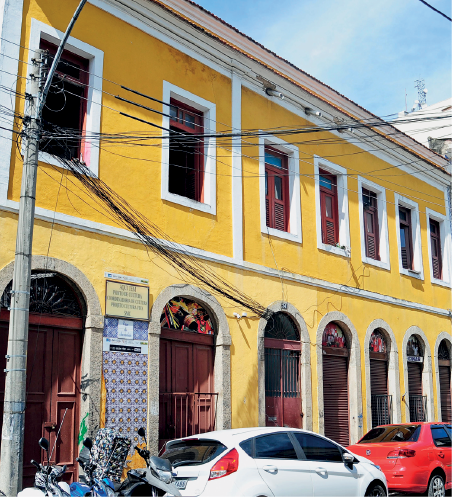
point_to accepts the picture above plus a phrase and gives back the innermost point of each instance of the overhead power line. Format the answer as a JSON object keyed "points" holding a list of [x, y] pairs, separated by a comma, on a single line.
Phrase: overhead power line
{"points": [[436, 10]]}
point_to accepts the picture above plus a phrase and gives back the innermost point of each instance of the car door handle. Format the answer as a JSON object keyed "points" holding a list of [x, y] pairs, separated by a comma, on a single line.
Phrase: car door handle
{"points": [[270, 469], [321, 471]]}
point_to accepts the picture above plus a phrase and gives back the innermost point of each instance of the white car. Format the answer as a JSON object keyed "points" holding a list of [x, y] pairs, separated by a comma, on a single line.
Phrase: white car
{"points": [[267, 462]]}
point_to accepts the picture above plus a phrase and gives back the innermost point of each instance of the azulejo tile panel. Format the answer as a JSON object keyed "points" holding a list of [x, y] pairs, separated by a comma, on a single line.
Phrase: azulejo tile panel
{"points": [[125, 375]]}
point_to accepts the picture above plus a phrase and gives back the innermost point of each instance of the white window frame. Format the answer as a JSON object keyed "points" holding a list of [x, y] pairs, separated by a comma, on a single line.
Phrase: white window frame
{"points": [[446, 252], [418, 271], [95, 57], [208, 109], [291, 151], [383, 236], [342, 201]]}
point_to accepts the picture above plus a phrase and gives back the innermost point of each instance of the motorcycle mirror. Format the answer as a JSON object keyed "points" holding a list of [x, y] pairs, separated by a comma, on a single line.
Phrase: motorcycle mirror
{"points": [[142, 432], [44, 444], [88, 443]]}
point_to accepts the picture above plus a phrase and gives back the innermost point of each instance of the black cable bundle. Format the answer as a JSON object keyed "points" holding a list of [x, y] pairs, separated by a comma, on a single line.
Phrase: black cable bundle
{"points": [[158, 241]]}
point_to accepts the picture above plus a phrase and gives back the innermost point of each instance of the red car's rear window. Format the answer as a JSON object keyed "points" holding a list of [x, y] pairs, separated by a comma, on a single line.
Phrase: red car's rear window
{"points": [[394, 433]]}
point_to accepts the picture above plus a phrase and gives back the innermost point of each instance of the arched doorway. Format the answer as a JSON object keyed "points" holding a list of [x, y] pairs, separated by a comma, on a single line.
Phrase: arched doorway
{"points": [[53, 370], [444, 371], [187, 401], [282, 372], [380, 400], [417, 401], [335, 350]]}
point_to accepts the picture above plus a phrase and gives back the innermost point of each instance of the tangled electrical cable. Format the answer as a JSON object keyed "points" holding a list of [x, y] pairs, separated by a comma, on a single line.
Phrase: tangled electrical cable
{"points": [[159, 242]]}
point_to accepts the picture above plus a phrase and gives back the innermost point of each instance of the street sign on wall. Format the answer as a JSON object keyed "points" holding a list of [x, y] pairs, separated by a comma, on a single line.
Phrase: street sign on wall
{"points": [[123, 300]]}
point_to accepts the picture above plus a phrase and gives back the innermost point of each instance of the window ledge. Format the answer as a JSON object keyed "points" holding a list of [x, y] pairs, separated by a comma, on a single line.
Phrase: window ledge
{"points": [[188, 202], [285, 235], [412, 273], [334, 250], [374, 262], [436, 281]]}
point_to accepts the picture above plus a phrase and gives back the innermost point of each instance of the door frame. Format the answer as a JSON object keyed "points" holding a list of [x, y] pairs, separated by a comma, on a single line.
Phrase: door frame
{"points": [[355, 397], [427, 380], [393, 371], [91, 344], [222, 357], [305, 362], [442, 336]]}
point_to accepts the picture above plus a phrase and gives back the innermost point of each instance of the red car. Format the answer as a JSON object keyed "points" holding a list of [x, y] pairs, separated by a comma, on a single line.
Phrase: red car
{"points": [[415, 457]]}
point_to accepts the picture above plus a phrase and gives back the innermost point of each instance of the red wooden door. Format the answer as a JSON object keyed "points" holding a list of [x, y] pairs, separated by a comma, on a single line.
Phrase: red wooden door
{"points": [[53, 378], [282, 383], [186, 385]]}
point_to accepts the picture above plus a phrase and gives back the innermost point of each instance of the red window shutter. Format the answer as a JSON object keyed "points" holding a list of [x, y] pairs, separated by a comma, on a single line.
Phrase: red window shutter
{"points": [[370, 214], [435, 240], [406, 240], [329, 208], [276, 191]]}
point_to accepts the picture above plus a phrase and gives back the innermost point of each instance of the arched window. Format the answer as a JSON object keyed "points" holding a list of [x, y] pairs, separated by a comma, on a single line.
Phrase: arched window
{"points": [[444, 370], [49, 294], [417, 400], [183, 314], [381, 402], [334, 337], [281, 327], [282, 372], [377, 342], [443, 351], [414, 348]]}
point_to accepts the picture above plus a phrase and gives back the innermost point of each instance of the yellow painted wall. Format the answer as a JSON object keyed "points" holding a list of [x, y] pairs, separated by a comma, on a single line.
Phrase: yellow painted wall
{"points": [[142, 62]]}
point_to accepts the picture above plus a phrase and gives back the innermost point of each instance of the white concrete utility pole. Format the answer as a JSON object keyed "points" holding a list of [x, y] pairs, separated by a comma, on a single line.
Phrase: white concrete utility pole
{"points": [[11, 459]]}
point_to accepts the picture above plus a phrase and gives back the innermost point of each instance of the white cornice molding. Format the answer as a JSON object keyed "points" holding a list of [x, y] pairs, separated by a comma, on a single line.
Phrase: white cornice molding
{"points": [[106, 230]]}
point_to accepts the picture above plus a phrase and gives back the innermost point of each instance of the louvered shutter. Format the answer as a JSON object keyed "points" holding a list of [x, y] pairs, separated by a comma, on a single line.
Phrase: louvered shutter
{"points": [[435, 248], [445, 393], [414, 378], [280, 216], [405, 258], [329, 221], [335, 398]]}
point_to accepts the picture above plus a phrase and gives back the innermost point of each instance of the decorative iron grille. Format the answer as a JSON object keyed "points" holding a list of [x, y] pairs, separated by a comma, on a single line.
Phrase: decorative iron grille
{"points": [[443, 351], [282, 375], [381, 410], [49, 294], [418, 408], [282, 327]]}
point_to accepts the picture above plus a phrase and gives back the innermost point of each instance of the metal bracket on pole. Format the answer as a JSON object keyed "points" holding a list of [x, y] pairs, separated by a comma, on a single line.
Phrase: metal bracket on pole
{"points": [[9, 370], [17, 355]]}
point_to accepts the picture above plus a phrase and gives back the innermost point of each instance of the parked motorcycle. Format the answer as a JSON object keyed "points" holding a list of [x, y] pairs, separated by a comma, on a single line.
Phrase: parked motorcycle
{"points": [[88, 485], [47, 478], [154, 481]]}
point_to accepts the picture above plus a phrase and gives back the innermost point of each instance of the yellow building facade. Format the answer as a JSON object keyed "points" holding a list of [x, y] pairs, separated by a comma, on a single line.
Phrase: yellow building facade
{"points": [[179, 54]]}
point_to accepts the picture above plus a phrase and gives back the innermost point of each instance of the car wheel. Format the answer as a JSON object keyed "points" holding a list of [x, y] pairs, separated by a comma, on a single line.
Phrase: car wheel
{"points": [[376, 490], [436, 486]]}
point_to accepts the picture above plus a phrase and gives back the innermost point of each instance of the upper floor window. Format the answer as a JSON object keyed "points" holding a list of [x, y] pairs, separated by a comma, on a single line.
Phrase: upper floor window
{"points": [[406, 238], [186, 154], [329, 207], [65, 105], [371, 228], [435, 241], [276, 189]]}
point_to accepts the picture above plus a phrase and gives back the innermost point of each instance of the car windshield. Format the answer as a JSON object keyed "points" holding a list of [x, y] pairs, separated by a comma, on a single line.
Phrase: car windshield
{"points": [[384, 434], [193, 452]]}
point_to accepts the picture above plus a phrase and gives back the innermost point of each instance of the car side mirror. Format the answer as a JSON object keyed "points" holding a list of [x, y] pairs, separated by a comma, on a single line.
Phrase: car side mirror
{"points": [[348, 459]]}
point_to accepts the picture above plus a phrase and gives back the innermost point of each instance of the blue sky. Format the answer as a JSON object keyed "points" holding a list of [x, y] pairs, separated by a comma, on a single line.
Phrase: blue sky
{"points": [[368, 50]]}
